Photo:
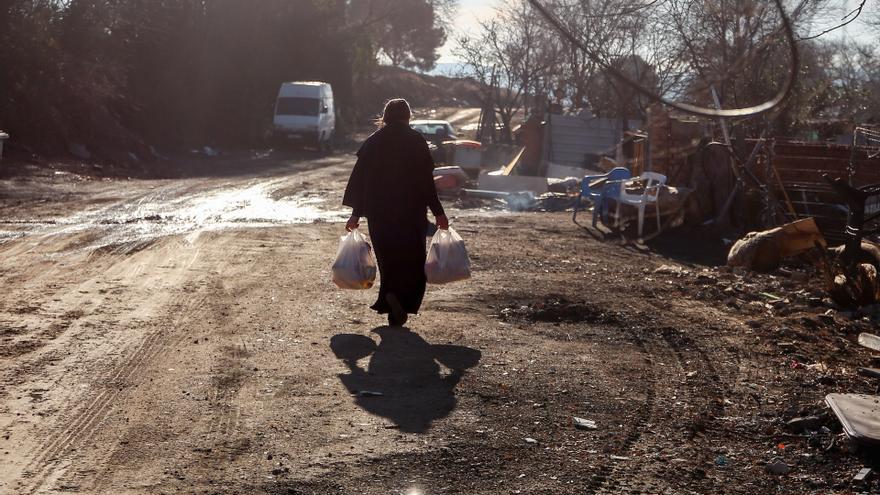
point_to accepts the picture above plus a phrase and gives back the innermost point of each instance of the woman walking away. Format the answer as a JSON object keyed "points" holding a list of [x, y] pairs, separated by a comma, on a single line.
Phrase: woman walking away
{"points": [[392, 185]]}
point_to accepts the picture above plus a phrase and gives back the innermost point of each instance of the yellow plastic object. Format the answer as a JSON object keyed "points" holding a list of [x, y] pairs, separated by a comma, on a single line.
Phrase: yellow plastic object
{"points": [[354, 267]]}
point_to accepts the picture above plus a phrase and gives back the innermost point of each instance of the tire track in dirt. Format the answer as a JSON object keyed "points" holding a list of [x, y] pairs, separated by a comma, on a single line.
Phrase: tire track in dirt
{"points": [[226, 385], [227, 379], [85, 422], [641, 474], [609, 473], [663, 341], [222, 419]]}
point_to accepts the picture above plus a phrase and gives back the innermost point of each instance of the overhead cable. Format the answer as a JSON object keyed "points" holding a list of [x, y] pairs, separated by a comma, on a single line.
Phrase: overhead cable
{"points": [[780, 97]]}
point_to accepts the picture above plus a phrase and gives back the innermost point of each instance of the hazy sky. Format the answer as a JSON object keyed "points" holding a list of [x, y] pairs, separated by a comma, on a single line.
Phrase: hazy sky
{"points": [[470, 12]]}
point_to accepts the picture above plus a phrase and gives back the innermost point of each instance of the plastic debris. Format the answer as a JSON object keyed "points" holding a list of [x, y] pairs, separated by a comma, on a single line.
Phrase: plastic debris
{"points": [[870, 341], [369, 393], [864, 474], [584, 424], [804, 423]]}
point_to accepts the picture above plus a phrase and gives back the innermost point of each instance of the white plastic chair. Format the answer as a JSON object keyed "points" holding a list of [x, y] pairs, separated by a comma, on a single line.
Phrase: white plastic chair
{"points": [[651, 194]]}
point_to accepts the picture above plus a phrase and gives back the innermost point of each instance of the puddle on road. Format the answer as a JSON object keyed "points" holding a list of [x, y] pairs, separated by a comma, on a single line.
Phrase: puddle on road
{"points": [[189, 208], [176, 210]]}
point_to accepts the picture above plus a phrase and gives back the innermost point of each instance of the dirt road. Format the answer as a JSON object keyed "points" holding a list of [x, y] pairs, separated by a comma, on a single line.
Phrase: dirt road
{"points": [[183, 336]]}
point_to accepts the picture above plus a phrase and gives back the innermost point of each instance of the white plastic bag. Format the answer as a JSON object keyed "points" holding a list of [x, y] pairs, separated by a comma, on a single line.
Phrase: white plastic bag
{"points": [[354, 267], [447, 258]]}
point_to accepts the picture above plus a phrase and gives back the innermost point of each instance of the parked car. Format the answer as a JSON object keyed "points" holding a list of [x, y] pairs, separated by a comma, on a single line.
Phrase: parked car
{"points": [[304, 113], [434, 131]]}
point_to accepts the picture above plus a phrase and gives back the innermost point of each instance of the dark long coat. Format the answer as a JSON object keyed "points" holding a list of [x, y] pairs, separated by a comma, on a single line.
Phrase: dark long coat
{"points": [[392, 185]]}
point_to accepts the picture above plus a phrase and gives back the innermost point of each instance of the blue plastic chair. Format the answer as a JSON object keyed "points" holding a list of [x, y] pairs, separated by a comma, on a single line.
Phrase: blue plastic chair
{"points": [[600, 194]]}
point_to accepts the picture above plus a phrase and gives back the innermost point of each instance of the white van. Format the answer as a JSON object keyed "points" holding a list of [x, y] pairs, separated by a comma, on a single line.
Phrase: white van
{"points": [[304, 112]]}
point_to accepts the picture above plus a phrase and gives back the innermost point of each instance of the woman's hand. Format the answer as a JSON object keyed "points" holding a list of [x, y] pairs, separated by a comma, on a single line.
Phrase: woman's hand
{"points": [[352, 223], [442, 222]]}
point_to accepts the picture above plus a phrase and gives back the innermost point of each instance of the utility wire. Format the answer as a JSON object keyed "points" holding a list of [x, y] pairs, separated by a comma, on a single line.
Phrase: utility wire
{"points": [[768, 105], [857, 11]]}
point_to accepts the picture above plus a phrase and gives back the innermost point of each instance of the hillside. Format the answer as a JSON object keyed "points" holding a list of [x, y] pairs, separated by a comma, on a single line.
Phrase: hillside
{"points": [[422, 90]]}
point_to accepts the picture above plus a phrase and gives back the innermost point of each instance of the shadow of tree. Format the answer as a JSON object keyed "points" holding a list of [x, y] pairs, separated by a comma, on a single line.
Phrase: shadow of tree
{"points": [[403, 380]]}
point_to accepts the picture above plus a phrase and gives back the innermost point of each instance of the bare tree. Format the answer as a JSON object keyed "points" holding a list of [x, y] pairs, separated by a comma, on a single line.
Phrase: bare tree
{"points": [[607, 27], [732, 45], [854, 78], [510, 58]]}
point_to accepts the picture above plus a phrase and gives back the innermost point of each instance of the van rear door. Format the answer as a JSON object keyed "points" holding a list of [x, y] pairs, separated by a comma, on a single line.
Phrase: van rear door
{"points": [[297, 116], [289, 106]]}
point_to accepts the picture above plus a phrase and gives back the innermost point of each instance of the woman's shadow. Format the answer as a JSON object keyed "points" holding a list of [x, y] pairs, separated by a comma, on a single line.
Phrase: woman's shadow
{"points": [[403, 380]]}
